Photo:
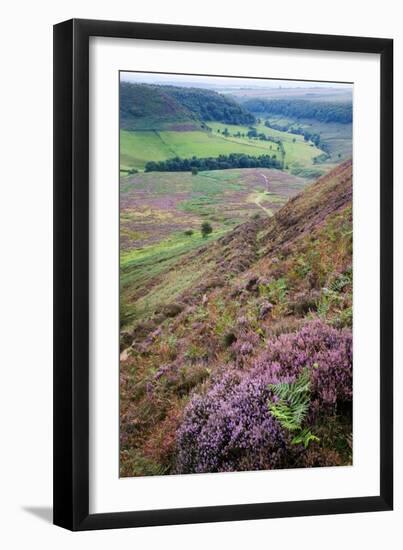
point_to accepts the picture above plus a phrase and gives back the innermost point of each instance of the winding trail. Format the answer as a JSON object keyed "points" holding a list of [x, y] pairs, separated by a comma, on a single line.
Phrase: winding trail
{"points": [[258, 199], [265, 180]]}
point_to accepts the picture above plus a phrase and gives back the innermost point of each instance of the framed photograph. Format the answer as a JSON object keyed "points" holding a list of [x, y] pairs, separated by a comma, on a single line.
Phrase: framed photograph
{"points": [[223, 320]]}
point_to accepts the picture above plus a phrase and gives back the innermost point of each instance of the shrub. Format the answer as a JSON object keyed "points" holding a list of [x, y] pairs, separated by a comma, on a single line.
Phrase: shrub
{"points": [[206, 229], [231, 428], [228, 339]]}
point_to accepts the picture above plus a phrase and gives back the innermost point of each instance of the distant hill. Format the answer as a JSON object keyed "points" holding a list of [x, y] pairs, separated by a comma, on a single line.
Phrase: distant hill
{"points": [[314, 93], [322, 111], [145, 107]]}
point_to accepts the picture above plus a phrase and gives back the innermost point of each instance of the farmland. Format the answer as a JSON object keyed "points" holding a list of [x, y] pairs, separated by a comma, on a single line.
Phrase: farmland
{"points": [[299, 155], [139, 147], [336, 136]]}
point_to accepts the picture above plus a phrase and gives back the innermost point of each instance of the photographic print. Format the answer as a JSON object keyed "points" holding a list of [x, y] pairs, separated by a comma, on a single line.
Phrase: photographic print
{"points": [[235, 274]]}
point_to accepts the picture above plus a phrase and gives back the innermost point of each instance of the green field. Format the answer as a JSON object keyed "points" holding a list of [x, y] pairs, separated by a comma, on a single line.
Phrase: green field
{"points": [[139, 147], [206, 144], [299, 154], [336, 136]]}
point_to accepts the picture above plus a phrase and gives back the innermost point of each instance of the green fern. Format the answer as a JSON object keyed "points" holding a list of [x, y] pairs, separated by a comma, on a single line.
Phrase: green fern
{"points": [[292, 407], [305, 437]]}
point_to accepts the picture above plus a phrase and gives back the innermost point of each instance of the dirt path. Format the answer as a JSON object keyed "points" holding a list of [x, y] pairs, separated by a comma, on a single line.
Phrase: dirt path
{"points": [[259, 198], [265, 180], [267, 210]]}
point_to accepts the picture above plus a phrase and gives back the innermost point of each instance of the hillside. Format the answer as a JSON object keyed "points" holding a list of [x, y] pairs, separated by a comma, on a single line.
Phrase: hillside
{"points": [[259, 305], [153, 107], [161, 215], [144, 107], [209, 105]]}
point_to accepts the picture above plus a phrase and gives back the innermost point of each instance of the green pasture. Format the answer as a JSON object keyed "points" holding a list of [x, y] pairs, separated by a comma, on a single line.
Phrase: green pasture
{"points": [[139, 147], [337, 136], [298, 153]]}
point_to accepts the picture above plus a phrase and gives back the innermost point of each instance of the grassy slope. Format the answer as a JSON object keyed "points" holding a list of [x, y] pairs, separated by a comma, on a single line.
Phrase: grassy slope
{"points": [[300, 260], [137, 148]]}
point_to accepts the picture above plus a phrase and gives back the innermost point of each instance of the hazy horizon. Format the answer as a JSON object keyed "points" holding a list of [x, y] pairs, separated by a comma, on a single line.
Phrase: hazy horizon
{"points": [[228, 82]]}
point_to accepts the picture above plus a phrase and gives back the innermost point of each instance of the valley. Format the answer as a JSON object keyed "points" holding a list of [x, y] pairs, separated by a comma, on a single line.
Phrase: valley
{"points": [[235, 276], [159, 227]]}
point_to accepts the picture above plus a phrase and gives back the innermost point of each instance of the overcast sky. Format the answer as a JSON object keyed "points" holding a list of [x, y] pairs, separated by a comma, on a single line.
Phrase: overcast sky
{"points": [[225, 82]]}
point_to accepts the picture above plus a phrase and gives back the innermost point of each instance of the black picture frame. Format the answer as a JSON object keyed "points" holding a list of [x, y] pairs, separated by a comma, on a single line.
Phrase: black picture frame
{"points": [[71, 274]]}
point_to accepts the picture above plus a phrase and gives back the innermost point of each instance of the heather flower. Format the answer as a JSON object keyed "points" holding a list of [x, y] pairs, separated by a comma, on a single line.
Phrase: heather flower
{"points": [[230, 428], [246, 344], [242, 321]]}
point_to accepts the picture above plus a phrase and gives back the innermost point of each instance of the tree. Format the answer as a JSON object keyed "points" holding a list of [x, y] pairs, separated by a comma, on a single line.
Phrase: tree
{"points": [[206, 229]]}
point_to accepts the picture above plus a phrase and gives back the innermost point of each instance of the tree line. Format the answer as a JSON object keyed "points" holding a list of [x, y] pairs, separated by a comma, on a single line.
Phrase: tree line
{"points": [[222, 162], [301, 108], [308, 135]]}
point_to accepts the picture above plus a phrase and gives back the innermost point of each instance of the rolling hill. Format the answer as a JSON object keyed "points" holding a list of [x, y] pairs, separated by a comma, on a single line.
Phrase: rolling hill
{"points": [[158, 123], [153, 107]]}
